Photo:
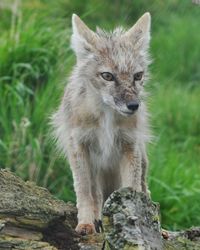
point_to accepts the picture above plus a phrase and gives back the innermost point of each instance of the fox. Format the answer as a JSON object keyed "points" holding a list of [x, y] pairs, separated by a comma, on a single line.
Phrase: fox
{"points": [[101, 124]]}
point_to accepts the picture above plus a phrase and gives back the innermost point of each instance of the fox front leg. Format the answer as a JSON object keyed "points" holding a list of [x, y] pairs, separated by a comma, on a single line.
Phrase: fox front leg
{"points": [[81, 171], [98, 200], [131, 168]]}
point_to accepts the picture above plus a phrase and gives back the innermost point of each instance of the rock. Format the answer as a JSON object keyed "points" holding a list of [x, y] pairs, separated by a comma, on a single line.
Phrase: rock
{"points": [[131, 221]]}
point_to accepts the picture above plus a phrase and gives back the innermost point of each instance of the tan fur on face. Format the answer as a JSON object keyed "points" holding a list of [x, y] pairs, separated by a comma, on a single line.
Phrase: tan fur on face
{"points": [[104, 144]]}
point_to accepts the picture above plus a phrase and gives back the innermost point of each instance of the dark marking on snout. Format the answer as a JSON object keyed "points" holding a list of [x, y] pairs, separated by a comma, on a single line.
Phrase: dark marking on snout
{"points": [[127, 96], [117, 100]]}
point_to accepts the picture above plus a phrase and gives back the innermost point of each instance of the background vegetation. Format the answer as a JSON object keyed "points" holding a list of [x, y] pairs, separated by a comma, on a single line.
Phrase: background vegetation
{"points": [[35, 59]]}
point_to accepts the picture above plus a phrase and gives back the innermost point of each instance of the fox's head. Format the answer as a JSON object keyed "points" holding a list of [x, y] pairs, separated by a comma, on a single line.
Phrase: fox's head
{"points": [[113, 64]]}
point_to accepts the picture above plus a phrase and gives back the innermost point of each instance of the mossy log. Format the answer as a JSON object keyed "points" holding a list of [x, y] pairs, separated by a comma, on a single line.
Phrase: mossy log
{"points": [[31, 218]]}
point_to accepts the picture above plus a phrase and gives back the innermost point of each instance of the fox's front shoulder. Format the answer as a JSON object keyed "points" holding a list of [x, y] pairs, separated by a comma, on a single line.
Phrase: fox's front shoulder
{"points": [[80, 107]]}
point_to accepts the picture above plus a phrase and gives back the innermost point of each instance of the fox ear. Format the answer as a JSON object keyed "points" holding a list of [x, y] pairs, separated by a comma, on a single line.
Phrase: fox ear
{"points": [[83, 39], [140, 32]]}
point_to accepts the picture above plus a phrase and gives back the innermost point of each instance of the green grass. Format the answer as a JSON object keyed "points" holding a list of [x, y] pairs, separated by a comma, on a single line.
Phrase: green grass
{"points": [[35, 60], [174, 154]]}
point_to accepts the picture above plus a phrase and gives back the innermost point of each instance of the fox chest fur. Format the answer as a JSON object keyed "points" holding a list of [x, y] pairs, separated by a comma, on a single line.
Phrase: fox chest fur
{"points": [[105, 141]]}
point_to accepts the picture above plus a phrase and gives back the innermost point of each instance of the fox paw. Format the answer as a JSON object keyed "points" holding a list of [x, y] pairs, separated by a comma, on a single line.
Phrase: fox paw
{"points": [[84, 229]]}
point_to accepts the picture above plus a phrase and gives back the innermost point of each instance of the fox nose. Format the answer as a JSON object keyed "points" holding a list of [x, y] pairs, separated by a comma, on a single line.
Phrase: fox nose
{"points": [[132, 105]]}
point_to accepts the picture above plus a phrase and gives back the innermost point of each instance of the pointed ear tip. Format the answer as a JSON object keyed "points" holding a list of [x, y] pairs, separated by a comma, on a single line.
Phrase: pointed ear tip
{"points": [[147, 15], [74, 16]]}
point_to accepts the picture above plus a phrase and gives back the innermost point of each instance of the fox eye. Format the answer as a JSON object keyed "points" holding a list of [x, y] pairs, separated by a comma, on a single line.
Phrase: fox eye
{"points": [[138, 76], [107, 76]]}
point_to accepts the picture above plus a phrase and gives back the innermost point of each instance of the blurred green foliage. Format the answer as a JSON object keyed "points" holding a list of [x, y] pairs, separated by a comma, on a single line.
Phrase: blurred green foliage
{"points": [[35, 60]]}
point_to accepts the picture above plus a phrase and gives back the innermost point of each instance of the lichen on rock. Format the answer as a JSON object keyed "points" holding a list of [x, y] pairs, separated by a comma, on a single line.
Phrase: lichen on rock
{"points": [[131, 221]]}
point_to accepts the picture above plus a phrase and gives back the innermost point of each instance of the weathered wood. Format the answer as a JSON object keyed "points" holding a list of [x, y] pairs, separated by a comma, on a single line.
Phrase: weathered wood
{"points": [[31, 218]]}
